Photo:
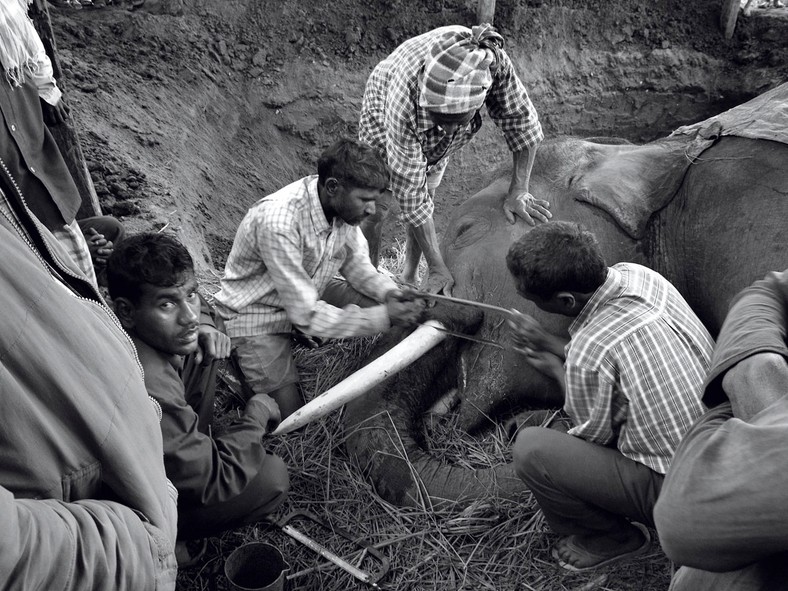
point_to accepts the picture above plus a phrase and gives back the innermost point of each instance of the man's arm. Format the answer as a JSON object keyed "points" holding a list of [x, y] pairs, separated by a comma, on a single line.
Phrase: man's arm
{"points": [[102, 545], [750, 360], [519, 201], [214, 344], [722, 505], [755, 383], [298, 294]]}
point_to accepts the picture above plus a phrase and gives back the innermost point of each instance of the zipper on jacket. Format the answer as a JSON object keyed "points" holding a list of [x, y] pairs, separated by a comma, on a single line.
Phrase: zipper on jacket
{"points": [[19, 226]]}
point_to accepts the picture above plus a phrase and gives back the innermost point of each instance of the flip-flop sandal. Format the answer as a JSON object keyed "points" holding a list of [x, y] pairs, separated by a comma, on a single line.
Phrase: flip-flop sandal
{"points": [[603, 561]]}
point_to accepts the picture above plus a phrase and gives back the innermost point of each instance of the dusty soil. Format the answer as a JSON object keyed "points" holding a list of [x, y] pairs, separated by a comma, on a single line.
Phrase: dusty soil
{"points": [[190, 110]]}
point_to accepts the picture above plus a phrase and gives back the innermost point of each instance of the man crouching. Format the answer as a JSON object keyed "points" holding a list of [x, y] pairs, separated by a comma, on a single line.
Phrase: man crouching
{"points": [[224, 481]]}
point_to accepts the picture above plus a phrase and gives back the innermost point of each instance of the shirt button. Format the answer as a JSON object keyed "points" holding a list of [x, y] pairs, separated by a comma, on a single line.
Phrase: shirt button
{"points": [[13, 128], [33, 170]]}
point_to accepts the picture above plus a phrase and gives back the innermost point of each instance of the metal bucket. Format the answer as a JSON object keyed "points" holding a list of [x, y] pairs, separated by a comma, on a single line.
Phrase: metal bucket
{"points": [[256, 567]]}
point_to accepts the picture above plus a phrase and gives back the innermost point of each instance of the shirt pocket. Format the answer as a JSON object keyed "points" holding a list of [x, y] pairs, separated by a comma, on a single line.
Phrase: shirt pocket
{"points": [[82, 483]]}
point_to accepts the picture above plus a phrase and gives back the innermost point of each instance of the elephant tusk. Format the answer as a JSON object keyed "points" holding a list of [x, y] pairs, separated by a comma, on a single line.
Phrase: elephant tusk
{"points": [[421, 340]]}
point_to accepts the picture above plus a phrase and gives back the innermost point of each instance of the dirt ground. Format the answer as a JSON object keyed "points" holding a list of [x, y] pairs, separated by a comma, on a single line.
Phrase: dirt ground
{"points": [[190, 110]]}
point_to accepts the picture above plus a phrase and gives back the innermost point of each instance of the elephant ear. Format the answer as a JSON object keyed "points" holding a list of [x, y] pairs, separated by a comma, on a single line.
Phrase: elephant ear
{"points": [[631, 183]]}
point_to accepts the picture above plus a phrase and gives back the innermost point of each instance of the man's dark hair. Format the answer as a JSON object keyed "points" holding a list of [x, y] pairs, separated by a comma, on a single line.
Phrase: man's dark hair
{"points": [[557, 256], [156, 259], [353, 164]]}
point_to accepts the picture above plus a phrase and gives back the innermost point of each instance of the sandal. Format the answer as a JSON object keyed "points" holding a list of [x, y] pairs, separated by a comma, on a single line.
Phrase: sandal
{"points": [[601, 560]]}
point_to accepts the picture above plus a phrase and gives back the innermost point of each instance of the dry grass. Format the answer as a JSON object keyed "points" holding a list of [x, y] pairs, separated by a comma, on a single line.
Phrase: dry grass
{"points": [[493, 544]]}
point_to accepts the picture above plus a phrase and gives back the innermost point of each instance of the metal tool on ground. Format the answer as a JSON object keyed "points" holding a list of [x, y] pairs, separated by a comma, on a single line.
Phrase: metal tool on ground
{"points": [[369, 578]]}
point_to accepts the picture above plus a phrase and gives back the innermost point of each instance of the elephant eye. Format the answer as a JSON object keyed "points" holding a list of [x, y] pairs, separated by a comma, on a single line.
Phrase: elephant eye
{"points": [[470, 230]]}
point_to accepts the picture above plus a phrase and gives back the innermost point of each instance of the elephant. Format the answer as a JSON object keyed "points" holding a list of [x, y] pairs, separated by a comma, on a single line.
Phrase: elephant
{"points": [[706, 207]]}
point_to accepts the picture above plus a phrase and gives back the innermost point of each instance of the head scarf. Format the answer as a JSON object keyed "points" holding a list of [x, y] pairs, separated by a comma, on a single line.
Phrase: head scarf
{"points": [[21, 49], [457, 74]]}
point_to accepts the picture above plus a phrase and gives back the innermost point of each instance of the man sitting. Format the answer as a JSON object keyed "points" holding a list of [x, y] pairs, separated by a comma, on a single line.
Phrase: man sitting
{"points": [[223, 481], [722, 511], [280, 273], [631, 375]]}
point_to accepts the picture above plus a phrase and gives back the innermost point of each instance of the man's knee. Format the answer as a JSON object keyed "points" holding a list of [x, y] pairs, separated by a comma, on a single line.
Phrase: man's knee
{"points": [[273, 491], [532, 450]]}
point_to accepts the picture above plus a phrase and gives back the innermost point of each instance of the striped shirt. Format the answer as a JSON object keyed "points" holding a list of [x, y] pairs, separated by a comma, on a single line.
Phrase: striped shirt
{"points": [[393, 122], [284, 254], [635, 366]]}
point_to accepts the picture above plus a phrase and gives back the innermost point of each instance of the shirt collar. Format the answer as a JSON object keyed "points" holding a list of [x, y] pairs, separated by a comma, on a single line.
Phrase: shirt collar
{"points": [[603, 293], [319, 220]]}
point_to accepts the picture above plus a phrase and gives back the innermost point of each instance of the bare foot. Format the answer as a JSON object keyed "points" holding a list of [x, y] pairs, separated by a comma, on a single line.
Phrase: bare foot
{"points": [[585, 552]]}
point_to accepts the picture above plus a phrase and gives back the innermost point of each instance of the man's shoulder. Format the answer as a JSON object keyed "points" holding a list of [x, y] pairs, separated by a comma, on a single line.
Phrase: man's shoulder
{"points": [[285, 207], [161, 377]]}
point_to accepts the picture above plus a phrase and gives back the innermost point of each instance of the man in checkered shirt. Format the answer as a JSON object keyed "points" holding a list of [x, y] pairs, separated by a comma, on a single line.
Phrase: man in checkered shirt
{"points": [[281, 272], [631, 375], [422, 104]]}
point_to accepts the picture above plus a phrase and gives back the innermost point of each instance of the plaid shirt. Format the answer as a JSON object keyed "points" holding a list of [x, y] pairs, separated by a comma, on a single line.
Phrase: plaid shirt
{"points": [[635, 366], [392, 121], [284, 254], [69, 236]]}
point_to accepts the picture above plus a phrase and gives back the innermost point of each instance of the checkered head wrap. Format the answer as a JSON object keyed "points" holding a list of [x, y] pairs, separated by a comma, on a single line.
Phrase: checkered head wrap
{"points": [[457, 74]]}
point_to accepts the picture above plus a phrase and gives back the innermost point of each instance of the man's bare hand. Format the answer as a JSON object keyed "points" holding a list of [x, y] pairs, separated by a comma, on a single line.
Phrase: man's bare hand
{"points": [[54, 114], [440, 281], [405, 308], [527, 207], [546, 362], [266, 410], [213, 344], [527, 332]]}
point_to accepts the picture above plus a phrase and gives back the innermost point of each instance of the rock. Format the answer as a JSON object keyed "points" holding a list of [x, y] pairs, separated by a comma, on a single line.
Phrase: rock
{"points": [[126, 208], [260, 58]]}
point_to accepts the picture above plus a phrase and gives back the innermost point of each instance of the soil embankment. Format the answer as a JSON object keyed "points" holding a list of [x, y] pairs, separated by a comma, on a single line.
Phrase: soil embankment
{"points": [[190, 111]]}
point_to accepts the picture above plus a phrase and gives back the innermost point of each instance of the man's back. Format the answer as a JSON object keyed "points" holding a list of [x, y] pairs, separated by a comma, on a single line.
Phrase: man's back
{"points": [[635, 363], [78, 430]]}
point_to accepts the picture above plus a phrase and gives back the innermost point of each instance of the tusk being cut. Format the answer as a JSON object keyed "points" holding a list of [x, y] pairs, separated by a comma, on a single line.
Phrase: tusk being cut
{"points": [[421, 340]]}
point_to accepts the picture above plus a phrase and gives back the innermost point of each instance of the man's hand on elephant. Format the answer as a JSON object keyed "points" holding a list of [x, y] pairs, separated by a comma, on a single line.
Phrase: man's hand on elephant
{"points": [[527, 207], [440, 281], [212, 344]]}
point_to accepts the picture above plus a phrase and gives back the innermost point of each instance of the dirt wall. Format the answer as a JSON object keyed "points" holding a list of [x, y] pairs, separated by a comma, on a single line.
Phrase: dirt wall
{"points": [[192, 110]]}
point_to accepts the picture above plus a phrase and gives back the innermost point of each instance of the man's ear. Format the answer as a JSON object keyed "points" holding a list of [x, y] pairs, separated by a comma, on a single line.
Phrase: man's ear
{"points": [[566, 299], [331, 185], [125, 311]]}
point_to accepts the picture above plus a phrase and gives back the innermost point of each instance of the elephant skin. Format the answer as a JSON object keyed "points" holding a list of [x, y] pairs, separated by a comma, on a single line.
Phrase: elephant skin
{"points": [[713, 222]]}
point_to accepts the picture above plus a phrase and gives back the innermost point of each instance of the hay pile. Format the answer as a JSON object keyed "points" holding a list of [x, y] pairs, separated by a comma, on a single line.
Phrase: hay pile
{"points": [[494, 544]]}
